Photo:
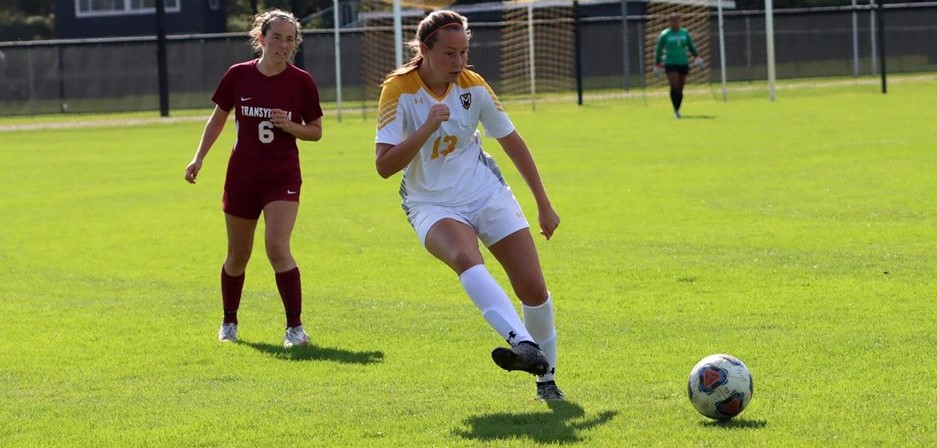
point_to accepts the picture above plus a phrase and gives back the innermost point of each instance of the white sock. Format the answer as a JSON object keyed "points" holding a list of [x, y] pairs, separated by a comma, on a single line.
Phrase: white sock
{"points": [[540, 324], [494, 304]]}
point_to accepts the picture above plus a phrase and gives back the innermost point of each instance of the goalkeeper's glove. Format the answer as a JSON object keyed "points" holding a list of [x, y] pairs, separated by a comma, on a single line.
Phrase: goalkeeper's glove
{"points": [[698, 61], [658, 70]]}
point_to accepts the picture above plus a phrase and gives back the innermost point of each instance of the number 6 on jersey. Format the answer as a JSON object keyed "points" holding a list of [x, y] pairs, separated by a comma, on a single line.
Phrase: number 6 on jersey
{"points": [[265, 131]]}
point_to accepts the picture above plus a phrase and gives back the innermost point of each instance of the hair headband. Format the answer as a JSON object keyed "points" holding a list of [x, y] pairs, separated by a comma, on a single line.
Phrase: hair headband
{"points": [[426, 39], [265, 26]]}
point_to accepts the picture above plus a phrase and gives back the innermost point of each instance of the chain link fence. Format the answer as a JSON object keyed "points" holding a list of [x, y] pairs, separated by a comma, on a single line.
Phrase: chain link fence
{"points": [[815, 48]]}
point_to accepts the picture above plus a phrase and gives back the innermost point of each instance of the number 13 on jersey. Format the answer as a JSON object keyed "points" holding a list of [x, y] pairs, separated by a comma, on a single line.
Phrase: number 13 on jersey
{"points": [[448, 141]]}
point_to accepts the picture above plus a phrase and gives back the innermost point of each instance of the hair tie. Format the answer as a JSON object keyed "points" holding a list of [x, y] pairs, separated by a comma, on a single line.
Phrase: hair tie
{"points": [[425, 39]]}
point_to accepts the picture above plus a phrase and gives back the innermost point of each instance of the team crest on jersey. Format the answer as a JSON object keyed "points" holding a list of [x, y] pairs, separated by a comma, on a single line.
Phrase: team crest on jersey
{"points": [[466, 100]]}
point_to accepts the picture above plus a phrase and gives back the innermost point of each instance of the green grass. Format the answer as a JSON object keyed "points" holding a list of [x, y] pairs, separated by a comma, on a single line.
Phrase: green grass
{"points": [[798, 235]]}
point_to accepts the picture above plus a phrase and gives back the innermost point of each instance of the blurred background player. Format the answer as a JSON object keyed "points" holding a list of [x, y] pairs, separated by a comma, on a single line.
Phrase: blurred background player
{"points": [[275, 103], [453, 192], [671, 56]]}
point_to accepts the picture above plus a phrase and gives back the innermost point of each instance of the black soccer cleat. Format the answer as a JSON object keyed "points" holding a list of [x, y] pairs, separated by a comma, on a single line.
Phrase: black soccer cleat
{"points": [[525, 356], [549, 391]]}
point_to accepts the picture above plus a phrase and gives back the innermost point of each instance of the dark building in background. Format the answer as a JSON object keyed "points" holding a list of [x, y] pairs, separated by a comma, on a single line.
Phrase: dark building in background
{"points": [[92, 18]]}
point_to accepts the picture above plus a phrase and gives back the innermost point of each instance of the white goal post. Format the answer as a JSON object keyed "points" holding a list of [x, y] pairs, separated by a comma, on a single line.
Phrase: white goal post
{"points": [[769, 43]]}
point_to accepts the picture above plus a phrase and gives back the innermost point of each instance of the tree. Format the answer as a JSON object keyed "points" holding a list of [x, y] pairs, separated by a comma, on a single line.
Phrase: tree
{"points": [[241, 12], [26, 20]]}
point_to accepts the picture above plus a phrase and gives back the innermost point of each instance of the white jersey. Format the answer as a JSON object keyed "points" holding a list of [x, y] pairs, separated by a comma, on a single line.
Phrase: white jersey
{"points": [[451, 168]]}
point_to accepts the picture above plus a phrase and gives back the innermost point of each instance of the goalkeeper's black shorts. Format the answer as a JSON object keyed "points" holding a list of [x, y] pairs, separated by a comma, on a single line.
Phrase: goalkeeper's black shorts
{"points": [[679, 68]]}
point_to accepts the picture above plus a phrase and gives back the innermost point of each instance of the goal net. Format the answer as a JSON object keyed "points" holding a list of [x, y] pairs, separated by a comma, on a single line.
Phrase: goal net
{"points": [[378, 51], [524, 48], [537, 60]]}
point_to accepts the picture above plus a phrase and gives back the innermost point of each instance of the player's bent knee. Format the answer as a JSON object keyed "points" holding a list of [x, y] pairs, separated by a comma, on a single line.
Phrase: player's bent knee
{"points": [[463, 260], [534, 293]]}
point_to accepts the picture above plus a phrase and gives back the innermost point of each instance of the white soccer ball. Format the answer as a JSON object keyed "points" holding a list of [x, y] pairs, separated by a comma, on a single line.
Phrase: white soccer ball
{"points": [[720, 387]]}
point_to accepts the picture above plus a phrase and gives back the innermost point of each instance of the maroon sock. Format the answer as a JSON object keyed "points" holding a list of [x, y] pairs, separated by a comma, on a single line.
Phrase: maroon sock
{"points": [[231, 295], [292, 294]]}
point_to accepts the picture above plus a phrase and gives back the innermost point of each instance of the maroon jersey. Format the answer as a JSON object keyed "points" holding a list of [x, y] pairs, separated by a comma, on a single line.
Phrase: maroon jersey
{"points": [[264, 153]]}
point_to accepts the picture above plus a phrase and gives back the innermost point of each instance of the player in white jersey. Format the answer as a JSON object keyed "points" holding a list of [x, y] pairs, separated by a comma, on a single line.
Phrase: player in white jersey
{"points": [[454, 195]]}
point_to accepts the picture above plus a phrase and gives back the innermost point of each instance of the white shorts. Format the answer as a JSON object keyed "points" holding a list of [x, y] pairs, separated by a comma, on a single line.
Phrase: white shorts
{"points": [[493, 217]]}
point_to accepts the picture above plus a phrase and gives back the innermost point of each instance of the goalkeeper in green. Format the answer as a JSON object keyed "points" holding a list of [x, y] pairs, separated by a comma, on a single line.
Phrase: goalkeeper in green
{"points": [[671, 57]]}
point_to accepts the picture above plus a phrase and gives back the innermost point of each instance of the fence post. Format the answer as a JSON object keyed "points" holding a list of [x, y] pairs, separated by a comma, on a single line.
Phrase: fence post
{"points": [[881, 44], [299, 59], [62, 102], [578, 50], [641, 55], [31, 105], [873, 51], [161, 60], [338, 59], [531, 56], [855, 40], [626, 56], [748, 47]]}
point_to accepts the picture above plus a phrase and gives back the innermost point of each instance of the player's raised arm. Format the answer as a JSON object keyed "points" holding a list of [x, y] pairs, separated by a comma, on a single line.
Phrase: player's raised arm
{"points": [[311, 131], [309, 125], [389, 159], [212, 130]]}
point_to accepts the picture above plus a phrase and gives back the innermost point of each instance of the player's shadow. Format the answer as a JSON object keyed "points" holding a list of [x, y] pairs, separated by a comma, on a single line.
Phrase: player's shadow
{"points": [[735, 424], [697, 117], [561, 424], [315, 353]]}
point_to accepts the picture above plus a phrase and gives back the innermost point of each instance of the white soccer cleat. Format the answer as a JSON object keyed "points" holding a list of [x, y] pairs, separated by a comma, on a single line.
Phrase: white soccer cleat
{"points": [[295, 336], [228, 332]]}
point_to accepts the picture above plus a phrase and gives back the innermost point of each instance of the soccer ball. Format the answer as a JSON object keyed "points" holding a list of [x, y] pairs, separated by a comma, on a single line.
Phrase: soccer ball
{"points": [[720, 387]]}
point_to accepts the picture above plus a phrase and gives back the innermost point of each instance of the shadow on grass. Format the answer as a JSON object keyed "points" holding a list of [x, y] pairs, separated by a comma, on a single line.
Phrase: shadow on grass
{"points": [[697, 117], [561, 424], [735, 424], [315, 353]]}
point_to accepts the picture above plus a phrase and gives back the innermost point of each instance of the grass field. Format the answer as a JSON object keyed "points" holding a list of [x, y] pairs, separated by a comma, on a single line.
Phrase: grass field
{"points": [[797, 235]]}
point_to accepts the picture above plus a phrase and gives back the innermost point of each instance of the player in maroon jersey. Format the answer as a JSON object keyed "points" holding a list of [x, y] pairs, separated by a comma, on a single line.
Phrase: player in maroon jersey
{"points": [[274, 104]]}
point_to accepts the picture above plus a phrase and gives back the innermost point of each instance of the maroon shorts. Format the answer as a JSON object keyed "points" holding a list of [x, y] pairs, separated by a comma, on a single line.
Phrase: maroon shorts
{"points": [[249, 202]]}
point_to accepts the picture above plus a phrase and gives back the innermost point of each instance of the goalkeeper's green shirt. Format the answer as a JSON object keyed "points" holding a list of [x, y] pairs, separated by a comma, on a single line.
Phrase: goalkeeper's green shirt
{"points": [[672, 47]]}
